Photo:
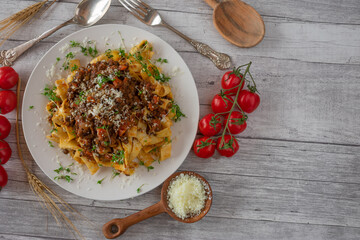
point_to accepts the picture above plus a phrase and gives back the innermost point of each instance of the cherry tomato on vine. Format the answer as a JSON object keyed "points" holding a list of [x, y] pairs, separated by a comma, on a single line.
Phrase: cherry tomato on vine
{"points": [[5, 152], [248, 101], [210, 125], [228, 147], [8, 77], [5, 127], [230, 80], [237, 122], [3, 177], [7, 101], [221, 103], [204, 147]]}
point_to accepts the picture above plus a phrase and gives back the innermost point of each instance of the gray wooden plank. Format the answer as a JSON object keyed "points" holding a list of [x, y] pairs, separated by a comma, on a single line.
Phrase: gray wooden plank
{"points": [[163, 227], [289, 91], [24, 237], [300, 187], [243, 197], [304, 41], [265, 158], [334, 11]]}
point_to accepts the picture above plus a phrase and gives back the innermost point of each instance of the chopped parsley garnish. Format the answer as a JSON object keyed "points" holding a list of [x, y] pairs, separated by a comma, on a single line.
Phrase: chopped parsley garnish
{"points": [[155, 73], [81, 98], [61, 169], [141, 163], [119, 74], [93, 148], [139, 188], [50, 144], [80, 150], [118, 157], [178, 114], [74, 44], [115, 173], [66, 177], [100, 181], [100, 165], [49, 92], [91, 51], [154, 150], [108, 53], [103, 127], [53, 130], [159, 76], [122, 52], [74, 68], [86, 50], [150, 168], [161, 60], [106, 143], [103, 79], [68, 57], [31, 107], [57, 59]]}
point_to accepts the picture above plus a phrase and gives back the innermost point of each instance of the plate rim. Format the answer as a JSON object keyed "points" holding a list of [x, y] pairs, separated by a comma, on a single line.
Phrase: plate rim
{"points": [[28, 141]]}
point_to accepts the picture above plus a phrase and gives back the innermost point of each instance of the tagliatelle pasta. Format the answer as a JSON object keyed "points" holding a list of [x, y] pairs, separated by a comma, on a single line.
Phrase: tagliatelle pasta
{"points": [[114, 112]]}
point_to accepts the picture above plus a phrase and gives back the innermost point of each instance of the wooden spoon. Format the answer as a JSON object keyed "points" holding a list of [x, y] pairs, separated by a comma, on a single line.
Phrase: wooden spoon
{"points": [[238, 22], [118, 226]]}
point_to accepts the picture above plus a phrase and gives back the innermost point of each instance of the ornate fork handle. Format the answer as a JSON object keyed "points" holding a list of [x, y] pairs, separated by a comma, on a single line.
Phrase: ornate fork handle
{"points": [[7, 57], [221, 60]]}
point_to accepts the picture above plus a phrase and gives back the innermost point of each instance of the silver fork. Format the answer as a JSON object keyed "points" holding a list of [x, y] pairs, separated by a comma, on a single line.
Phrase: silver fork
{"points": [[151, 17]]}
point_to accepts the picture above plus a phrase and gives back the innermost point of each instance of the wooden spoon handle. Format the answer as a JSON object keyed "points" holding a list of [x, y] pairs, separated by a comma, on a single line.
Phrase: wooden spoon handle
{"points": [[118, 226], [212, 3]]}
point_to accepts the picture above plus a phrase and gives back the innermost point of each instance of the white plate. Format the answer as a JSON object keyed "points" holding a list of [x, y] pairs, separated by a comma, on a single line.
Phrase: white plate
{"points": [[36, 126]]}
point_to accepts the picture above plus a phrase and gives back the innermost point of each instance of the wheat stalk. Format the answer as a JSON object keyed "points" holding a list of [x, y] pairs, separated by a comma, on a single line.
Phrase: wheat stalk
{"points": [[46, 196], [10, 25]]}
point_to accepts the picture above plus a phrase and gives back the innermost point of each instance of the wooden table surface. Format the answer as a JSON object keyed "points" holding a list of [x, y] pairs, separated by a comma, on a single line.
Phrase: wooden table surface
{"points": [[296, 175]]}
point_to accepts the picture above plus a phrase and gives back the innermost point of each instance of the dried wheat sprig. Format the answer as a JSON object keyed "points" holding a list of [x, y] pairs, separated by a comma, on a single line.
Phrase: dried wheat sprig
{"points": [[47, 197], [10, 25]]}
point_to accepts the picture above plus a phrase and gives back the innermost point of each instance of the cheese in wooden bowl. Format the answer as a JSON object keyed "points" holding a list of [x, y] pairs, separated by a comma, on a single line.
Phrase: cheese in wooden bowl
{"points": [[188, 196]]}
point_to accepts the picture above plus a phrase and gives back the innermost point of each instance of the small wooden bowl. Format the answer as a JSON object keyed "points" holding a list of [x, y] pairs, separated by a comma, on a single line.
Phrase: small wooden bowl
{"points": [[208, 201], [118, 226]]}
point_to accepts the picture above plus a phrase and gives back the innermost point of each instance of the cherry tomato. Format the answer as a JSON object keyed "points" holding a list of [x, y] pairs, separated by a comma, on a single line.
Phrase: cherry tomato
{"points": [[230, 80], [221, 103], [5, 127], [210, 125], [237, 122], [248, 101], [7, 101], [5, 152], [3, 177], [8, 77], [228, 147], [204, 147]]}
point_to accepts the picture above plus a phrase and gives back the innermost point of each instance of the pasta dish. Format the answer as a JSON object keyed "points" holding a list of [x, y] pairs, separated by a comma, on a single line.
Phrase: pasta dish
{"points": [[114, 112]]}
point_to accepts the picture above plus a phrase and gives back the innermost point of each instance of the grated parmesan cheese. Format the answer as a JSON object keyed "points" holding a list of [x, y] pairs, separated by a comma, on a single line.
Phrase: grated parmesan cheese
{"points": [[186, 196], [64, 48], [50, 73]]}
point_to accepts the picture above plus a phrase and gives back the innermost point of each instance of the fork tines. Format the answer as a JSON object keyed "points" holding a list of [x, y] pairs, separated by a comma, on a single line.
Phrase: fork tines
{"points": [[138, 8]]}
